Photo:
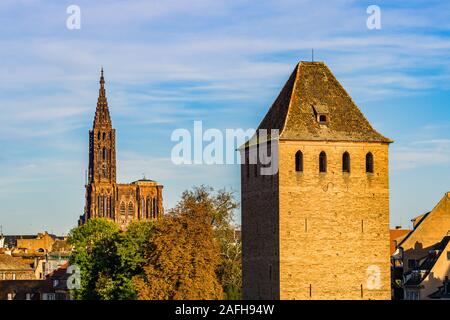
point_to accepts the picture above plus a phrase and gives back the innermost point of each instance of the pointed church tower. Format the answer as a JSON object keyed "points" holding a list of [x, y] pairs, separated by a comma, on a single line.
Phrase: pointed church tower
{"points": [[105, 198], [102, 142], [100, 200], [319, 227]]}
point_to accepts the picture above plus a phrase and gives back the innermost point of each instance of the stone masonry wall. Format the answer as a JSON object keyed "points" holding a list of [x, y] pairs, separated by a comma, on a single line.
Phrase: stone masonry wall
{"points": [[334, 226]]}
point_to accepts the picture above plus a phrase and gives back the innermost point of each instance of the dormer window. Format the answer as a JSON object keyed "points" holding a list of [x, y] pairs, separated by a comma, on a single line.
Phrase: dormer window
{"points": [[321, 113]]}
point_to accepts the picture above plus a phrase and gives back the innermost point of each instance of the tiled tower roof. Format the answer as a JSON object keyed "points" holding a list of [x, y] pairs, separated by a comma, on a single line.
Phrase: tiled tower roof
{"points": [[313, 105]]}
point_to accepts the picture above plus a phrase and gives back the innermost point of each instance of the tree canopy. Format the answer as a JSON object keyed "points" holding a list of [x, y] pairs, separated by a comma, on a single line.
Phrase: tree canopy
{"points": [[192, 252]]}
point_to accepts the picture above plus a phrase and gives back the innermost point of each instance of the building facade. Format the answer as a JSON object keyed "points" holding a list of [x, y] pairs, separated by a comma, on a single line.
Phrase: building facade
{"points": [[318, 228], [123, 203], [53, 287], [15, 268], [423, 256]]}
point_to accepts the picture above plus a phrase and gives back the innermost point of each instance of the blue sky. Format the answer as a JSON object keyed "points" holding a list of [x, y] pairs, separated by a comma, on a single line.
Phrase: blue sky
{"points": [[169, 63]]}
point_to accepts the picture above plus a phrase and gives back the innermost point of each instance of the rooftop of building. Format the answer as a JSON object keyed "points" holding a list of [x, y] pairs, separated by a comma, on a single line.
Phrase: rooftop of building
{"points": [[145, 181], [396, 236], [419, 220], [313, 105], [427, 263], [8, 262]]}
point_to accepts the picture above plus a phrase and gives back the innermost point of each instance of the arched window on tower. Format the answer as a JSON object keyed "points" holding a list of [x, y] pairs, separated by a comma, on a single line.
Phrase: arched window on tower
{"points": [[346, 162], [247, 165], [148, 208], [107, 207], [299, 161], [100, 205], [369, 162], [142, 211], [104, 171], [104, 153], [323, 162], [122, 208], [130, 210]]}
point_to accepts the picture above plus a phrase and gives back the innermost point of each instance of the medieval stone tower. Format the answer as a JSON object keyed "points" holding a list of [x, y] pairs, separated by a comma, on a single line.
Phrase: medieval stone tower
{"points": [[123, 203], [319, 227]]}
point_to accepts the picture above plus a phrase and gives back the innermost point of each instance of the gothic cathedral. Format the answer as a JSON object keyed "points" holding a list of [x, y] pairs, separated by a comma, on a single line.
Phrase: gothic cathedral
{"points": [[123, 203], [319, 227]]}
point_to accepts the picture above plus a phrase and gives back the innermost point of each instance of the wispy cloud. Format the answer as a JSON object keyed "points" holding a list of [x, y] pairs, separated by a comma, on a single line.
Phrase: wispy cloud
{"points": [[168, 63]]}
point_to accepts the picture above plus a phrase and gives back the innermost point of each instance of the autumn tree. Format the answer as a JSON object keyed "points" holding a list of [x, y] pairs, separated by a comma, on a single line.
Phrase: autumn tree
{"points": [[184, 255], [221, 206], [195, 254]]}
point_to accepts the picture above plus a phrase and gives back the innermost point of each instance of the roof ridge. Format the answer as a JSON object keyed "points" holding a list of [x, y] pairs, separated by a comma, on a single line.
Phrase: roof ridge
{"points": [[312, 90], [288, 112]]}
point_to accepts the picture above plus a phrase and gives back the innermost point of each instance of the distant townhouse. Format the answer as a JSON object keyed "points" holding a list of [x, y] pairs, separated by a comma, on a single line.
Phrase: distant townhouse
{"points": [[14, 268], [424, 255], [53, 287]]}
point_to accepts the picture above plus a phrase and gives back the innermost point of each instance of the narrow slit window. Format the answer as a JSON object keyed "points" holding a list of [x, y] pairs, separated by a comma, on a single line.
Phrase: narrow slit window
{"points": [[299, 161], [323, 162], [247, 165], [346, 162], [369, 162]]}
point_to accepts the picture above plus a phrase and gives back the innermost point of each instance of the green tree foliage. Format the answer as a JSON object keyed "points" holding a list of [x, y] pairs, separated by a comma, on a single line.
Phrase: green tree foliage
{"points": [[190, 253], [108, 258]]}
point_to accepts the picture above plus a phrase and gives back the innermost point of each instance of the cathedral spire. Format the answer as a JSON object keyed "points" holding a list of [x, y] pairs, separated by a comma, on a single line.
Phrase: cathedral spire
{"points": [[102, 117]]}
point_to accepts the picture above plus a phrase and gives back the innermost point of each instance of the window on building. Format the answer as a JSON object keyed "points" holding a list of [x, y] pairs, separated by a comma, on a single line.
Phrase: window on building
{"points": [[142, 211], [412, 263], [100, 205], [104, 171], [98, 136], [321, 112], [448, 255], [369, 162], [104, 135], [412, 295], [346, 162], [149, 208], [122, 208], [48, 296], [323, 162], [255, 166], [247, 165], [130, 209], [299, 161]]}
